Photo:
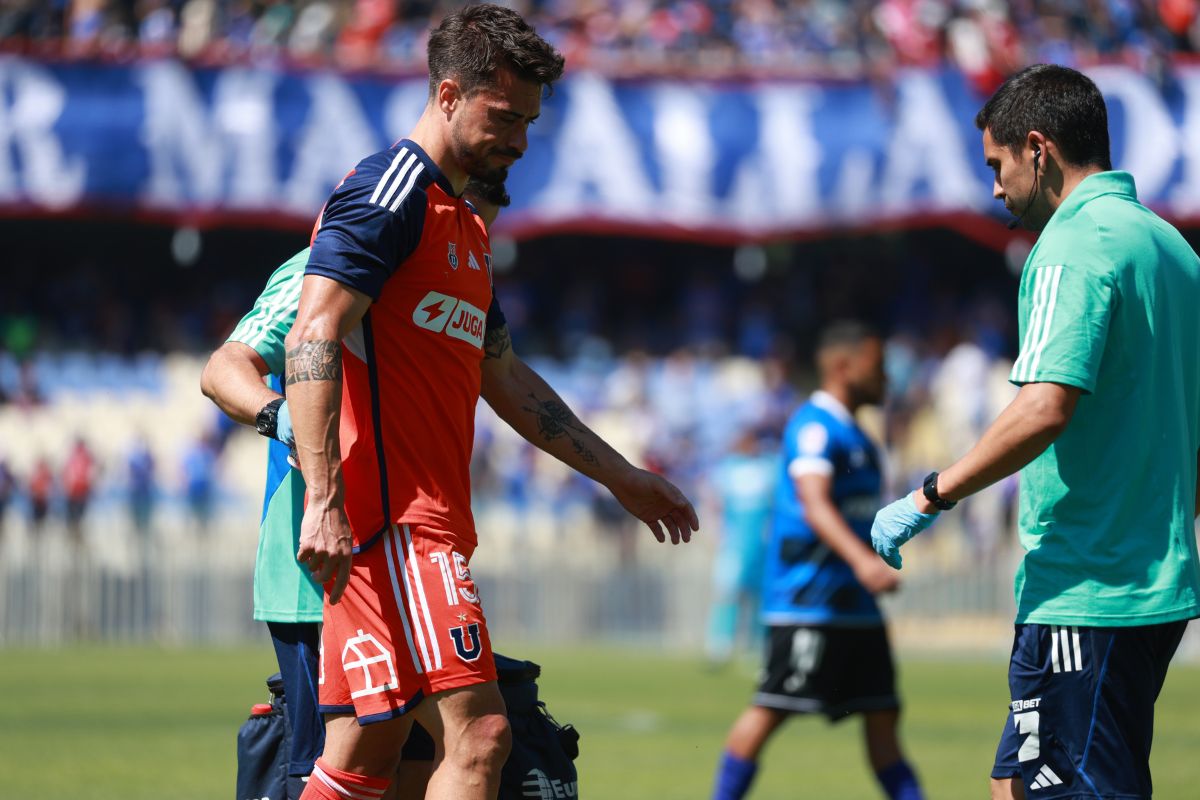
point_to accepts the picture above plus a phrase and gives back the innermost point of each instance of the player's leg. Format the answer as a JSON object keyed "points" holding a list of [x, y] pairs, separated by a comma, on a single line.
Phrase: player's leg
{"points": [[472, 726], [859, 677], [881, 737], [723, 614], [463, 712], [371, 677], [359, 761], [751, 730], [743, 745], [892, 770], [1007, 789], [416, 765], [1006, 771], [792, 655], [297, 645]]}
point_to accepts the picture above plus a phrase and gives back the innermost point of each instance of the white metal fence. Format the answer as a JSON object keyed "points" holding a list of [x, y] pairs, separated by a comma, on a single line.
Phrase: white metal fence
{"points": [[554, 582]]}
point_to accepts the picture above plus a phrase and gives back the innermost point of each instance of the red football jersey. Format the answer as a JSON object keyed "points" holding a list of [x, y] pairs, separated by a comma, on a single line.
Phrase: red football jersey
{"points": [[395, 230]]}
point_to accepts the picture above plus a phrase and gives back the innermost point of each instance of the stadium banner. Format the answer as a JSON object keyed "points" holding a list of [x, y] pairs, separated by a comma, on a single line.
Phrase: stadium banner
{"points": [[691, 159]]}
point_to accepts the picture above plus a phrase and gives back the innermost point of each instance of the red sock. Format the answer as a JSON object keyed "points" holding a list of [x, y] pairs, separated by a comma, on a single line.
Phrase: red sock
{"points": [[327, 783]]}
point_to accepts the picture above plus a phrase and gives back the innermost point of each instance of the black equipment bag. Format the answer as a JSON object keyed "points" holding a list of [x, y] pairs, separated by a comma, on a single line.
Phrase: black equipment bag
{"points": [[540, 765], [262, 748]]}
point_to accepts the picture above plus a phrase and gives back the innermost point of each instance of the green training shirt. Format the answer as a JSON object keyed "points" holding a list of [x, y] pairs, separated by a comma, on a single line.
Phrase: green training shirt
{"points": [[1110, 303], [283, 590]]}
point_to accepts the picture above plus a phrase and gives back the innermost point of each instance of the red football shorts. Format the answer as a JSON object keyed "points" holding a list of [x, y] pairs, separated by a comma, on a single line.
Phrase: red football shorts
{"points": [[408, 625]]}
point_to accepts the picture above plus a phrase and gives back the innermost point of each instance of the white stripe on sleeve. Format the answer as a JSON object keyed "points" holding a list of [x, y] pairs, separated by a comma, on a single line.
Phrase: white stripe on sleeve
{"points": [[412, 179], [810, 465], [1031, 326], [409, 164], [386, 179], [1047, 322]]}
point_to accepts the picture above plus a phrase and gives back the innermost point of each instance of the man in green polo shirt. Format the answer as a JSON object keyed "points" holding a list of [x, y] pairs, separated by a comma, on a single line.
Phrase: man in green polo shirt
{"points": [[1106, 433]]}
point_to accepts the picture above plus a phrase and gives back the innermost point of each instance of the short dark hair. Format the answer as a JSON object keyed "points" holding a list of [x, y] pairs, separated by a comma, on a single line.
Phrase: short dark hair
{"points": [[470, 45], [1057, 101], [493, 193], [845, 333]]}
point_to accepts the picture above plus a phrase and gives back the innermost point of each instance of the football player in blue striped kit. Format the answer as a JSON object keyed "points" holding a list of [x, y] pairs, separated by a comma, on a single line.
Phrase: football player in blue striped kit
{"points": [[827, 648]]}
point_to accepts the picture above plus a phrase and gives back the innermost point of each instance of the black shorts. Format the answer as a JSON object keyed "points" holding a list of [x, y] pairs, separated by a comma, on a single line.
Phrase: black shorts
{"points": [[1081, 717], [835, 671]]}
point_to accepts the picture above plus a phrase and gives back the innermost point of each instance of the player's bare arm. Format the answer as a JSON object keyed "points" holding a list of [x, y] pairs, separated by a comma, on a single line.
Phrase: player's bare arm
{"points": [[328, 310], [233, 379], [816, 493], [1031, 422], [522, 399]]}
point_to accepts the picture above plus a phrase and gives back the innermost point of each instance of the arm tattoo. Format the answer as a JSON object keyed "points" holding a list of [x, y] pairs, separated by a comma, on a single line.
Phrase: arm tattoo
{"points": [[556, 420], [496, 342], [314, 361]]}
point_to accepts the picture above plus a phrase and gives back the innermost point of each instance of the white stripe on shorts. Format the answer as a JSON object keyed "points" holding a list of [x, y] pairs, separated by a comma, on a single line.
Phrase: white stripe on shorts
{"points": [[416, 574], [389, 543]]}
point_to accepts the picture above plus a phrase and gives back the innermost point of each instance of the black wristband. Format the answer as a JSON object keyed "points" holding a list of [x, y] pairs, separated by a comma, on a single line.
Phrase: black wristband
{"points": [[268, 418], [931, 493]]}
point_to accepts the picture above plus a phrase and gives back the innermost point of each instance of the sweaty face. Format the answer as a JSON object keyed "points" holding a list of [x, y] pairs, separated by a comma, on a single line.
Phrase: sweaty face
{"points": [[1013, 180], [488, 129]]}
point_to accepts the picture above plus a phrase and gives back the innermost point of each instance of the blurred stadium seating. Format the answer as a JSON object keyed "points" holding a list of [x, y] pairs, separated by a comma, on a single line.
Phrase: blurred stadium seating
{"points": [[667, 338]]}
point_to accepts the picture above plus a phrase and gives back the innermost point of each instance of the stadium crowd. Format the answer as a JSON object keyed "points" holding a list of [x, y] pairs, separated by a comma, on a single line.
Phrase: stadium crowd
{"points": [[672, 352], [987, 39], [679, 413]]}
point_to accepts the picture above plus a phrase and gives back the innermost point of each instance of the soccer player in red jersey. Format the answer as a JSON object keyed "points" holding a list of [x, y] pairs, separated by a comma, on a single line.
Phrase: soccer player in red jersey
{"points": [[397, 335]]}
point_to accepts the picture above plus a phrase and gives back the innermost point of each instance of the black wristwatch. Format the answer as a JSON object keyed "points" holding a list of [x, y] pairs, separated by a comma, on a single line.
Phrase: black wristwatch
{"points": [[931, 494], [268, 418]]}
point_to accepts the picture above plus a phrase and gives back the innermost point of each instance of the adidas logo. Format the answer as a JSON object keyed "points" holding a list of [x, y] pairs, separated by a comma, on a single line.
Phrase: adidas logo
{"points": [[1066, 642], [1045, 778]]}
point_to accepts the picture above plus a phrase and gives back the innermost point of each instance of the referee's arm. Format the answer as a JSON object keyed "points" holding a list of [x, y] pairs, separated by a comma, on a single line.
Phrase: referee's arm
{"points": [[233, 379], [1031, 422]]}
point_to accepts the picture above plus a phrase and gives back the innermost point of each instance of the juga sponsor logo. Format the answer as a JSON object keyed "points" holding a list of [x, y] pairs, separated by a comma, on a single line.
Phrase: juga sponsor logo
{"points": [[458, 319]]}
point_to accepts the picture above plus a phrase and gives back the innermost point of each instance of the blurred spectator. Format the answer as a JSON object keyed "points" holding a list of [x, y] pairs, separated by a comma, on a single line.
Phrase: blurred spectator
{"points": [[28, 394], [40, 491], [8, 488], [744, 484], [985, 38], [200, 480], [142, 487], [78, 479]]}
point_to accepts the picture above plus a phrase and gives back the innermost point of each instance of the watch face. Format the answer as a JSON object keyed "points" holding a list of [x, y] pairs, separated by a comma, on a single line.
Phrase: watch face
{"points": [[264, 423]]}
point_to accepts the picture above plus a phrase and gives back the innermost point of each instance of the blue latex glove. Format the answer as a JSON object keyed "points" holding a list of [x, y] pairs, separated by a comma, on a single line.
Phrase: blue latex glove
{"points": [[283, 426], [894, 525], [283, 432]]}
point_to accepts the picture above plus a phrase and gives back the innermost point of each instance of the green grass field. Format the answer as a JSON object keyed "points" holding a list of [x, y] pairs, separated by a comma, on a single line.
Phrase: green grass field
{"points": [[128, 723]]}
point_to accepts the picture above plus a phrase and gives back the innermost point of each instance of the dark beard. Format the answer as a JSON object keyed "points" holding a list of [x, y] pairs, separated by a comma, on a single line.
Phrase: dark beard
{"points": [[476, 166], [494, 177]]}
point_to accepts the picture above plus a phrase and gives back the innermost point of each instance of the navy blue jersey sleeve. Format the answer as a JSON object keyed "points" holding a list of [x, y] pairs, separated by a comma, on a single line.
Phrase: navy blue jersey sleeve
{"points": [[495, 316], [371, 223]]}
